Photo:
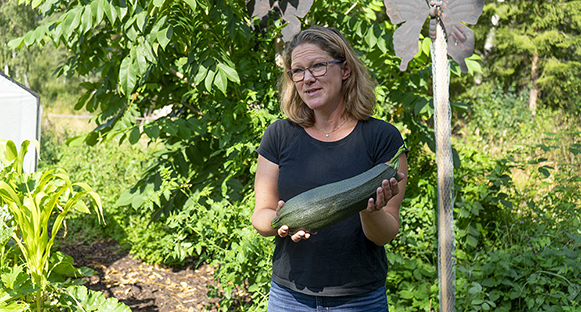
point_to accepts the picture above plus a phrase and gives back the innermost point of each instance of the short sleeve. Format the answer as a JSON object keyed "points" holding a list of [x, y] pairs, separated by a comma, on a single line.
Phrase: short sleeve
{"points": [[269, 144], [385, 139]]}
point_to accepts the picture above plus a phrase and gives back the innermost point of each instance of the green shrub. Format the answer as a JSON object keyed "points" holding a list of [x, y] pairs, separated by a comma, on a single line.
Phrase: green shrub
{"points": [[495, 113]]}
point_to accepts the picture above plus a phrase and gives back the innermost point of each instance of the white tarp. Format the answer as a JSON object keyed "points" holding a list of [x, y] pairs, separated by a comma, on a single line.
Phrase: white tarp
{"points": [[20, 113]]}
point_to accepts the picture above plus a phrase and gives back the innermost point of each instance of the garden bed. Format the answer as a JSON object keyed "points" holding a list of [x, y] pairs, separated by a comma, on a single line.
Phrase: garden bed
{"points": [[141, 286]]}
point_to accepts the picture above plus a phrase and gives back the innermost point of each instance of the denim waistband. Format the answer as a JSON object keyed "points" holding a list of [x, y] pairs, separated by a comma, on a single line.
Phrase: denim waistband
{"points": [[283, 299]]}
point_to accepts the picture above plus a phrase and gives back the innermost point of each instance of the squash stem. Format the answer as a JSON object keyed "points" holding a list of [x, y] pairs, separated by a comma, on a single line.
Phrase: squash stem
{"points": [[394, 162]]}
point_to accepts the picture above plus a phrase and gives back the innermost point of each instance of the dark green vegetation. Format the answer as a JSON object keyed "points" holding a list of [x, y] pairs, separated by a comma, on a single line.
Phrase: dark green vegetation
{"points": [[329, 204], [517, 171]]}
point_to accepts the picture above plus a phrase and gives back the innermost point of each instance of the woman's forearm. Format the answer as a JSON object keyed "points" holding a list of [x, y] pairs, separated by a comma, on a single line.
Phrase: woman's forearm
{"points": [[379, 226], [262, 219]]}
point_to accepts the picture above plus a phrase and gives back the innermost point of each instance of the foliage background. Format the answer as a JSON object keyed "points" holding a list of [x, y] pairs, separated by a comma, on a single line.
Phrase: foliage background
{"points": [[517, 170]]}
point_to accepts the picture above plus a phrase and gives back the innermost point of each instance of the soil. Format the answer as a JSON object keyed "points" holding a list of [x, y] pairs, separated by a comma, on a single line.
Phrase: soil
{"points": [[143, 287]]}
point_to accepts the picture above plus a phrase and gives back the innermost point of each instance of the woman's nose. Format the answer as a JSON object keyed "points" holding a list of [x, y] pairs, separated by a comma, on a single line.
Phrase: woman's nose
{"points": [[309, 77]]}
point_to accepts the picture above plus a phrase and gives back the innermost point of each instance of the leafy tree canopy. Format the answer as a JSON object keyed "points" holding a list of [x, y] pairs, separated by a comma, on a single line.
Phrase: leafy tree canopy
{"points": [[535, 42], [212, 66]]}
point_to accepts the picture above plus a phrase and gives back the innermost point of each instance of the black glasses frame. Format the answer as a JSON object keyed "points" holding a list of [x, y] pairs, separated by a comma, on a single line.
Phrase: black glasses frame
{"points": [[304, 70]]}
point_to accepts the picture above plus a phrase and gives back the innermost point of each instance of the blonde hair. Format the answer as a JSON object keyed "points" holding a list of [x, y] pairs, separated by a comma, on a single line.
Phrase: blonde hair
{"points": [[358, 89]]}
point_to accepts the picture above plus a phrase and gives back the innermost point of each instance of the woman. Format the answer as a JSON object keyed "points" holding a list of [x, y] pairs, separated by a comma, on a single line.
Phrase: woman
{"points": [[329, 136]]}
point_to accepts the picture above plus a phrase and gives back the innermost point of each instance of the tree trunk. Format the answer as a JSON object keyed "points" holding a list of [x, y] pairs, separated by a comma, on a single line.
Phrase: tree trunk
{"points": [[534, 90], [26, 80]]}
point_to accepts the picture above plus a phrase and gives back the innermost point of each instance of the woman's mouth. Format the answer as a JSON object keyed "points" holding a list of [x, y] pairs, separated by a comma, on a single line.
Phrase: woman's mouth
{"points": [[310, 92]]}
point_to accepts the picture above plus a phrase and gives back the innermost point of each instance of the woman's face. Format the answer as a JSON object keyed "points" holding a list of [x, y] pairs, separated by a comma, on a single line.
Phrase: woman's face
{"points": [[323, 93]]}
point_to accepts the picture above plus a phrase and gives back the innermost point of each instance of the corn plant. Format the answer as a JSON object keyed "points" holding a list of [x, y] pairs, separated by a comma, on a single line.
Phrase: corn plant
{"points": [[31, 200]]}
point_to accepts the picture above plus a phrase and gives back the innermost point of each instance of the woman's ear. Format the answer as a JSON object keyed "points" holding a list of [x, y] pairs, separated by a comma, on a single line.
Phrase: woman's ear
{"points": [[345, 70]]}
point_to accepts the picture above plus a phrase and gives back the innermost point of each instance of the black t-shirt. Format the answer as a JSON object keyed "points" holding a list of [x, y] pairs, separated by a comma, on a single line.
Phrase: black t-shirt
{"points": [[338, 260]]}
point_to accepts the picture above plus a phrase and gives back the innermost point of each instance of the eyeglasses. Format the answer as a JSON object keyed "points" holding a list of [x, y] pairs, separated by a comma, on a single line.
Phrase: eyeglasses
{"points": [[316, 70]]}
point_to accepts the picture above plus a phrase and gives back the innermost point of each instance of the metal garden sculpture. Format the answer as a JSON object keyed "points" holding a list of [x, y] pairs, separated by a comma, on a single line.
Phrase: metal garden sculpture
{"points": [[289, 10], [449, 37]]}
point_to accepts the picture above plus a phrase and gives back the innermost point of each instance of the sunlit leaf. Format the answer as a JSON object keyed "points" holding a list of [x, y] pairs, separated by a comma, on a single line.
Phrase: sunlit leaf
{"points": [[110, 11], [229, 72], [220, 80], [87, 19], [97, 10], [127, 75], [164, 36], [29, 38], [370, 37], [16, 43], [210, 78], [72, 22], [192, 4]]}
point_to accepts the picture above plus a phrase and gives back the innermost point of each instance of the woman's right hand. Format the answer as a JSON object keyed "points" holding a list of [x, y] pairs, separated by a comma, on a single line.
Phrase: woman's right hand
{"points": [[283, 231]]}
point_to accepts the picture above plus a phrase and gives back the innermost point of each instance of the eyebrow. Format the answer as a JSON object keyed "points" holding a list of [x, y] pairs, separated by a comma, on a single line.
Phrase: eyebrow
{"points": [[313, 63]]}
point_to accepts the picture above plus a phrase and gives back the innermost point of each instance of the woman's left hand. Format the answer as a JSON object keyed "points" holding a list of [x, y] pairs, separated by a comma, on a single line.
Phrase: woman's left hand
{"points": [[296, 237], [384, 193]]}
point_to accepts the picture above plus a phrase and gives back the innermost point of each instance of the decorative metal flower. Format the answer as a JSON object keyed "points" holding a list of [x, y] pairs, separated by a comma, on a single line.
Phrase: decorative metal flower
{"points": [[290, 10], [450, 13]]}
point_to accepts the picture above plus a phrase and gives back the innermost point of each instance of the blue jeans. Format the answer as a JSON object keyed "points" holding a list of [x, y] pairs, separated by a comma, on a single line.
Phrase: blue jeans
{"points": [[282, 299]]}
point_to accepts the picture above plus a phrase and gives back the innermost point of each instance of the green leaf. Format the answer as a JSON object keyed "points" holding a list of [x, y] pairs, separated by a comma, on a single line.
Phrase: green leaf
{"points": [[16, 43], [121, 9], [426, 45], [94, 300], [158, 3], [164, 36], [39, 33], [461, 106], [127, 76], [13, 306], [543, 170], [141, 59], [421, 106], [152, 130], [141, 21], [221, 80], [29, 38], [202, 71], [112, 305], [125, 198], [81, 207], [72, 22], [109, 10], [473, 64], [210, 78], [76, 141], [370, 37], [472, 241], [97, 11], [9, 278], [192, 4], [229, 72], [35, 3], [62, 264], [382, 44], [87, 19], [475, 289], [10, 152], [144, 48], [134, 135]]}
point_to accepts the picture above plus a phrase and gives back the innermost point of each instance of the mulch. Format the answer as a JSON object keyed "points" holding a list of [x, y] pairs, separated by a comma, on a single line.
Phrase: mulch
{"points": [[144, 287]]}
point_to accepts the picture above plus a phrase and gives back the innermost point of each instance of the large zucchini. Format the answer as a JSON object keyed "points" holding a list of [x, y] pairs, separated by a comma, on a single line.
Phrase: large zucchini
{"points": [[331, 203]]}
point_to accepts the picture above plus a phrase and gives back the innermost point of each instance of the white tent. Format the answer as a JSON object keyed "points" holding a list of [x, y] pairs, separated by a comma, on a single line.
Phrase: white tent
{"points": [[20, 113]]}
